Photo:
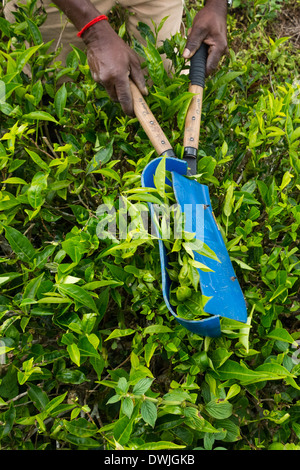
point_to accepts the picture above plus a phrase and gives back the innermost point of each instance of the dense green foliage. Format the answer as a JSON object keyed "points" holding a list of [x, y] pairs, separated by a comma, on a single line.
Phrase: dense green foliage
{"points": [[90, 356]]}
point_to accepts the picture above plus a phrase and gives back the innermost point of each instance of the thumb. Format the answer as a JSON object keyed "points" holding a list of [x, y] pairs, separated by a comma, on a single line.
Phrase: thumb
{"points": [[194, 41]]}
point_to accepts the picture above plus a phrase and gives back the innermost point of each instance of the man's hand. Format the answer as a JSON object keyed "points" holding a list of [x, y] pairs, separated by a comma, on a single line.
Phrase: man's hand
{"points": [[112, 62], [210, 27]]}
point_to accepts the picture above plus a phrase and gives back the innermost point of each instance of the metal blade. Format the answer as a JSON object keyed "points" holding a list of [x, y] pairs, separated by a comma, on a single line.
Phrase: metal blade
{"points": [[221, 285]]}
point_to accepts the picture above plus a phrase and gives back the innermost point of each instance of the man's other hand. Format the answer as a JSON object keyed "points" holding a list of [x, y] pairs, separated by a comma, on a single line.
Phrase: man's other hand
{"points": [[210, 27]]}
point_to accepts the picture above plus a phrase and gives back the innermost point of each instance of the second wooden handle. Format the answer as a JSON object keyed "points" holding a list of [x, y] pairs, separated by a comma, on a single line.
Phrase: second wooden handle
{"points": [[148, 122], [193, 118]]}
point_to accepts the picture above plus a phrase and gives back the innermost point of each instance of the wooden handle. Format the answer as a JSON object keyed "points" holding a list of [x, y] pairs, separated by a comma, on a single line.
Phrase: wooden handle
{"points": [[148, 122], [193, 118]]}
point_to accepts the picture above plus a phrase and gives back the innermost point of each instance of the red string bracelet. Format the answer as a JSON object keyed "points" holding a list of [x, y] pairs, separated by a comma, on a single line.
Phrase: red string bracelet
{"points": [[95, 20]]}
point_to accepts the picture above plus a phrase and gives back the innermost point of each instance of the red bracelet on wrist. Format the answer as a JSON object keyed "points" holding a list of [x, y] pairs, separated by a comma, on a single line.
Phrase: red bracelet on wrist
{"points": [[90, 23]]}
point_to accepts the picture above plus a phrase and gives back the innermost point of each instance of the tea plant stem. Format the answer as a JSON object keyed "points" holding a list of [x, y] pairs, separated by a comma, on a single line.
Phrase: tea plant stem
{"points": [[41, 150], [45, 139], [29, 228], [118, 367], [17, 398], [60, 36]]}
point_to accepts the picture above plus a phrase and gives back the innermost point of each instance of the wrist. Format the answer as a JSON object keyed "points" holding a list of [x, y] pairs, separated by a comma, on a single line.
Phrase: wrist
{"points": [[95, 32], [91, 23]]}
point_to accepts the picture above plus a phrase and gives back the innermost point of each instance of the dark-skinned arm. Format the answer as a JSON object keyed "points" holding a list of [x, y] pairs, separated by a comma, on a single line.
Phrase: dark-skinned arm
{"points": [[111, 60], [210, 27]]}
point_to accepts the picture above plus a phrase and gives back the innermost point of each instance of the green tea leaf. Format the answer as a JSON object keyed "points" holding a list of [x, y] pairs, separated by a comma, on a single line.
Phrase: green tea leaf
{"points": [[157, 329], [219, 409], [102, 156], [113, 399], [280, 334], [117, 333], [229, 200], [268, 371], [83, 441], [34, 32], [74, 353], [79, 295], [105, 282], [38, 160], [201, 248], [81, 428], [7, 421], [69, 376], [86, 348], [242, 264], [159, 177], [142, 386], [160, 445], [127, 407], [32, 287], [122, 430], [7, 277], [24, 57], [14, 180], [20, 244], [38, 396], [149, 412], [154, 61], [108, 173], [34, 192], [60, 101], [39, 116], [280, 290]]}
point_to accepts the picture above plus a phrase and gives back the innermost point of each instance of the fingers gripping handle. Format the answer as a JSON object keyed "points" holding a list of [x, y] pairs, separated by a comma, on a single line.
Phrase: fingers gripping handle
{"points": [[193, 118], [198, 66]]}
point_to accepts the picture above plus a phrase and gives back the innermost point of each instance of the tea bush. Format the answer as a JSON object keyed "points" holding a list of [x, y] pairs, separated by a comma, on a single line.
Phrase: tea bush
{"points": [[90, 356]]}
